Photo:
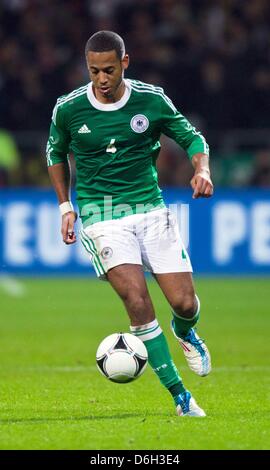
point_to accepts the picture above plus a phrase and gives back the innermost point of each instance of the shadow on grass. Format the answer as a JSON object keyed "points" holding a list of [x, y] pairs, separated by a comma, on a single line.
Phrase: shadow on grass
{"points": [[141, 417]]}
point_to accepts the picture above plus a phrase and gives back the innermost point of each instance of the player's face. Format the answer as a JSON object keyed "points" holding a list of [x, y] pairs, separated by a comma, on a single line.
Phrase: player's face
{"points": [[106, 72]]}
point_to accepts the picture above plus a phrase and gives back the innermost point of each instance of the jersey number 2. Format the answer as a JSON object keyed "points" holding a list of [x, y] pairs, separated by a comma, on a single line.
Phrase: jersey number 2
{"points": [[111, 147]]}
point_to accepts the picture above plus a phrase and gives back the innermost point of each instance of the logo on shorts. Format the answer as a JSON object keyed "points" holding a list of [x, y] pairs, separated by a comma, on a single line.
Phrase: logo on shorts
{"points": [[184, 256], [139, 123], [106, 253]]}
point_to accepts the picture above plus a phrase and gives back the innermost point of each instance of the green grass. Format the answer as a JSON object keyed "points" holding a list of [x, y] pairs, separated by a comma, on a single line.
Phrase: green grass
{"points": [[52, 396]]}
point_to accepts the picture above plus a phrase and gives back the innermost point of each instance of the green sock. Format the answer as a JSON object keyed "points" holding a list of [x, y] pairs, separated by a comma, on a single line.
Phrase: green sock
{"points": [[182, 325], [159, 356]]}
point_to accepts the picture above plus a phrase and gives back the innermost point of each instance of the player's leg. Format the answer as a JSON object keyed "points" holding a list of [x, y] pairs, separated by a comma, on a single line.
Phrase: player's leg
{"points": [[164, 254], [115, 254], [178, 288], [129, 283]]}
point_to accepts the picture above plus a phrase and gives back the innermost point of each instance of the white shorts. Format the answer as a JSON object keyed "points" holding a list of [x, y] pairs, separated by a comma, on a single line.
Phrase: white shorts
{"points": [[151, 240]]}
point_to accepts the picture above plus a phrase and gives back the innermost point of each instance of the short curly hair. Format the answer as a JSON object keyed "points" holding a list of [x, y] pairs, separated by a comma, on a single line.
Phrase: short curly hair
{"points": [[104, 41]]}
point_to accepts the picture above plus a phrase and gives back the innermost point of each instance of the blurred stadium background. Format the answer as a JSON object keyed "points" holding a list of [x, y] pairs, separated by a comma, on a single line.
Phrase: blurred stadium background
{"points": [[213, 59]]}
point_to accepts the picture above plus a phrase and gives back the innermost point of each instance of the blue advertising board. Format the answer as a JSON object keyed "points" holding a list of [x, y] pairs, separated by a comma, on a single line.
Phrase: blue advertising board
{"points": [[226, 234]]}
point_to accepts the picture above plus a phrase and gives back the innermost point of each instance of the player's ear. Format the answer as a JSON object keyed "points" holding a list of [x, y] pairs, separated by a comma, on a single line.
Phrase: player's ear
{"points": [[125, 61]]}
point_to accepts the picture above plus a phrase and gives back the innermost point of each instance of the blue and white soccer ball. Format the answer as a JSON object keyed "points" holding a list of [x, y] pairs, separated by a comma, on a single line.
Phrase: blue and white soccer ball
{"points": [[121, 357]]}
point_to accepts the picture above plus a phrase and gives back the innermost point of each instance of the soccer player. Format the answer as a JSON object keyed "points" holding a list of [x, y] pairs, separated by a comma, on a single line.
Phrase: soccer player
{"points": [[112, 126]]}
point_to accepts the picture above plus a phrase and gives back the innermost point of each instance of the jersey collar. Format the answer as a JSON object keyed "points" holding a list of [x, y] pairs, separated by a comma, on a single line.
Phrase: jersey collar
{"points": [[110, 106]]}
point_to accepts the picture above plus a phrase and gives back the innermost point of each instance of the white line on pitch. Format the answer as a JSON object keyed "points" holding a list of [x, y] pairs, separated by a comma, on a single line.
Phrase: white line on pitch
{"points": [[47, 368], [12, 286]]}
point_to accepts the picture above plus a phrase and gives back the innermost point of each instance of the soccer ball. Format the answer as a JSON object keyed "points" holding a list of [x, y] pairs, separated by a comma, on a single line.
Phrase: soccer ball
{"points": [[121, 357]]}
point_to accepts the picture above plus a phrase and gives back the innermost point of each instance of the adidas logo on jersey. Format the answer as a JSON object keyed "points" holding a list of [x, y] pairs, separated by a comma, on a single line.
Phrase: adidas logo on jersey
{"points": [[84, 130]]}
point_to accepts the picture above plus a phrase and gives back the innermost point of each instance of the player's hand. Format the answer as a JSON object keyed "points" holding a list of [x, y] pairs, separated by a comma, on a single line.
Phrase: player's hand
{"points": [[202, 185], [67, 230]]}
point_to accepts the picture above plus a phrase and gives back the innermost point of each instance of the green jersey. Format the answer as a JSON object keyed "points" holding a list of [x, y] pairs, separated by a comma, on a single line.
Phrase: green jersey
{"points": [[116, 147]]}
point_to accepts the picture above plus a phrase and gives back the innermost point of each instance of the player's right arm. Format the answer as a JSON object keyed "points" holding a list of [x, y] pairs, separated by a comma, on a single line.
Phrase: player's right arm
{"points": [[59, 172]]}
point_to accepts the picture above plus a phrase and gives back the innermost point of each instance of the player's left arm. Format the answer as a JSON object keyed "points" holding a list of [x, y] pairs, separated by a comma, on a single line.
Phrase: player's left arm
{"points": [[201, 182], [177, 127]]}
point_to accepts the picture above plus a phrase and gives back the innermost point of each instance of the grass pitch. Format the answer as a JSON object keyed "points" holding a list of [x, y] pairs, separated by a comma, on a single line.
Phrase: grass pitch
{"points": [[53, 397]]}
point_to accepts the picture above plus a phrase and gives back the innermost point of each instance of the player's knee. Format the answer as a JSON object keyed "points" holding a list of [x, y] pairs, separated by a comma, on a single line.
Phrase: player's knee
{"points": [[138, 304], [139, 307], [185, 305]]}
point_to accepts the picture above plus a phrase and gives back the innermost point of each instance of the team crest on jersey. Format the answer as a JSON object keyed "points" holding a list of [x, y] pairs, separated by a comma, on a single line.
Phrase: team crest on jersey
{"points": [[139, 123], [106, 252]]}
